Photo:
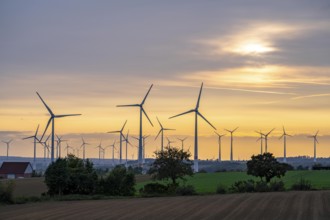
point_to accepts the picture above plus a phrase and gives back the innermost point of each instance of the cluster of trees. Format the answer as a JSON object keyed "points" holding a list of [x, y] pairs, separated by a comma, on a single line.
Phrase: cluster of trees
{"points": [[72, 175]]}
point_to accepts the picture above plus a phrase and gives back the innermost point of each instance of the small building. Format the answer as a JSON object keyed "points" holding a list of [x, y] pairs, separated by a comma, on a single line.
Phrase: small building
{"points": [[14, 170]]}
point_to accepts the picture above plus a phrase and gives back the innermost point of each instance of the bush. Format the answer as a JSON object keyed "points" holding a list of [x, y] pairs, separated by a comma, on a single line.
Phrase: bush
{"points": [[119, 182], [243, 186], [261, 186], [202, 171], [300, 167], [277, 186], [302, 184], [186, 190], [221, 189], [154, 189], [6, 191]]}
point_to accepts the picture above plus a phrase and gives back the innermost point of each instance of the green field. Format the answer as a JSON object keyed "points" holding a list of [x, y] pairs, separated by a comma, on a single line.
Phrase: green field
{"points": [[206, 183]]}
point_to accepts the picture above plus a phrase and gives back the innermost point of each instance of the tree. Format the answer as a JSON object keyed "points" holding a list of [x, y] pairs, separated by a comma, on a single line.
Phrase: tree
{"points": [[265, 166], [171, 163], [71, 175], [119, 182]]}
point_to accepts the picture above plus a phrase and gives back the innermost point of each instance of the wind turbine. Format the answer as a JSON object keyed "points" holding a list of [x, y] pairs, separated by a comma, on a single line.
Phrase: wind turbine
{"points": [[35, 139], [100, 150], [315, 141], [52, 119], [169, 142], [266, 138], [83, 146], [219, 142], [197, 113], [182, 140], [140, 160], [59, 145], [261, 142], [120, 141], [67, 148], [113, 151], [161, 131], [44, 143], [231, 142], [127, 142], [8, 144], [284, 138]]}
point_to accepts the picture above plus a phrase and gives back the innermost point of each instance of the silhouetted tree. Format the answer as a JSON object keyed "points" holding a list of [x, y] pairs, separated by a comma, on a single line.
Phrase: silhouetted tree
{"points": [[171, 163], [265, 166]]}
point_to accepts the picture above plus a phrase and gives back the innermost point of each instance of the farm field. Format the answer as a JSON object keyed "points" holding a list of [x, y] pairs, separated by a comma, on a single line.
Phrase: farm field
{"points": [[207, 182], [282, 205]]}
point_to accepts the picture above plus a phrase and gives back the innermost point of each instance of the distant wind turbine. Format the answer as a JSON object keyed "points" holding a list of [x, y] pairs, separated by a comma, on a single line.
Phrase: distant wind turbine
{"points": [[169, 142], [140, 160], [315, 141], [231, 142], [52, 119], [284, 138], [100, 150], [219, 142], [59, 145], [113, 151], [46, 147], [182, 140], [161, 131], [197, 113], [120, 141], [261, 142], [266, 138], [127, 142], [83, 145], [35, 140], [8, 145], [67, 148]]}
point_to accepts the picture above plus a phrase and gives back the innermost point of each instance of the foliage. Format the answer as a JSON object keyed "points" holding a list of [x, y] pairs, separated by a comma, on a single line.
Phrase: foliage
{"points": [[171, 163], [154, 189], [300, 167], [71, 175], [257, 186], [202, 171], [36, 174], [6, 191], [243, 186], [221, 189], [277, 186], [135, 170], [319, 166], [265, 166], [119, 182], [302, 184], [185, 190]]}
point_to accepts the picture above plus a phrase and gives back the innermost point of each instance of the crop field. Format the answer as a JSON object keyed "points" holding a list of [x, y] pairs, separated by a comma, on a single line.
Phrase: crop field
{"points": [[282, 205], [207, 182]]}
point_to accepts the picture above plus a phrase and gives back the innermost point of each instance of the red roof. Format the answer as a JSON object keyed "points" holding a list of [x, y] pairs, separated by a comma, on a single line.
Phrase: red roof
{"points": [[14, 167]]}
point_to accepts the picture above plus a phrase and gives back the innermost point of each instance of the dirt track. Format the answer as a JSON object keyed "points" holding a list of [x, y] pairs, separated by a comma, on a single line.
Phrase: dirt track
{"points": [[287, 205]]}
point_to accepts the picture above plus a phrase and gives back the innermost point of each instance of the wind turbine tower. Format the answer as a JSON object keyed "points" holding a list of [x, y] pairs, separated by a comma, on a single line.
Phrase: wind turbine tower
{"points": [[231, 142], [8, 145], [140, 156], [83, 145], [161, 131], [284, 135], [219, 142], [315, 142], [35, 139], [261, 141], [182, 140], [197, 113], [120, 141], [52, 119]]}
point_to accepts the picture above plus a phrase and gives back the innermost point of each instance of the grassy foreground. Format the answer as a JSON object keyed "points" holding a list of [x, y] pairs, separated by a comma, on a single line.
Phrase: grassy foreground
{"points": [[206, 183]]}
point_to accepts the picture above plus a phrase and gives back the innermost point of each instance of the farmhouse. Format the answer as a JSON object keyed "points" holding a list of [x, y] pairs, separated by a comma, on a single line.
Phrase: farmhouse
{"points": [[13, 170]]}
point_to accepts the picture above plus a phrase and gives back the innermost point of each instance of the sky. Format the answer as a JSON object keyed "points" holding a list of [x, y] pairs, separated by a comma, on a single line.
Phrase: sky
{"points": [[264, 65]]}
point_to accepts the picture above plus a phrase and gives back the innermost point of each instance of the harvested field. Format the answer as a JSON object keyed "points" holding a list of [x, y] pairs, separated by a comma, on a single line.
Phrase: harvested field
{"points": [[283, 205]]}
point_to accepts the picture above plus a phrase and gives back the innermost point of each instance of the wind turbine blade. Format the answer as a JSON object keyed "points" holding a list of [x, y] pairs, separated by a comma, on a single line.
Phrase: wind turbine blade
{"points": [[316, 140], [235, 129], [147, 116], [258, 139], [316, 133], [113, 132], [37, 130], [159, 123], [206, 120], [49, 110], [217, 133], [46, 127], [199, 96], [281, 136], [123, 126], [283, 130], [61, 116], [146, 95], [270, 132], [158, 134], [193, 110], [132, 105], [27, 137], [169, 129], [185, 138]]}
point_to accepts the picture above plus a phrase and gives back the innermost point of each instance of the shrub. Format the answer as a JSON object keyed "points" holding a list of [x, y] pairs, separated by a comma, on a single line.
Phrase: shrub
{"points": [[243, 186], [302, 184], [277, 186], [261, 186], [119, 182], [202, 171], [154, 189], [221, 189], [6, 191], [186, 190]]}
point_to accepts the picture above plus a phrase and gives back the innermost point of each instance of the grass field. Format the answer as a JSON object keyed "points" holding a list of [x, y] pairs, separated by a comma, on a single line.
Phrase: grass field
{"points": [[207, 182]]}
